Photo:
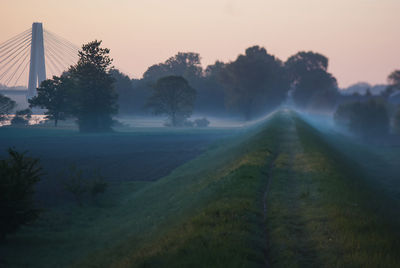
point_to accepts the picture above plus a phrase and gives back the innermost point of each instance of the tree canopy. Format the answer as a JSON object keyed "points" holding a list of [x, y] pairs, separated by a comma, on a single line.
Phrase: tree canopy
{"points": [[173, 96], [53, 95], [93, 95], [255, 82], [6, 106], [312, 84]]}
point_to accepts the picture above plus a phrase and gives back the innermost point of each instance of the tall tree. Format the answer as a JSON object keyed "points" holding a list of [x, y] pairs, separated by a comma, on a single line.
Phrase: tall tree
{"points": [[93, 95], [173, 97], [6, 106], [53, 95], [187, 65], [311, 83], [255, 82]]}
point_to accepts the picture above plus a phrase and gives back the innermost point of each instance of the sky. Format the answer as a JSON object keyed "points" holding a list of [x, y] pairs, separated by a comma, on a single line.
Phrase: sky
{"points": [[361, 38]]}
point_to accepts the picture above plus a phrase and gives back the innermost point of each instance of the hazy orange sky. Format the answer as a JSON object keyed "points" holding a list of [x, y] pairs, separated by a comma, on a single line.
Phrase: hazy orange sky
{"points": [[360, 37]]}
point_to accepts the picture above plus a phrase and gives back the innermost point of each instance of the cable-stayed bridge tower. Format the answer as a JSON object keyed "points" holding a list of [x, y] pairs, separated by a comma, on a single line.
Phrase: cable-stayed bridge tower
{"points": [[37, 68], [45, 53]]}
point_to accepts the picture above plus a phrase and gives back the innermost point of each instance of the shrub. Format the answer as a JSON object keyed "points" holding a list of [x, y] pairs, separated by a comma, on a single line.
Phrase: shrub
{"points": [[97, 186], [18, 176], [366, 119], [22, 117], [78, 186], [203, 122], [75, 184]]}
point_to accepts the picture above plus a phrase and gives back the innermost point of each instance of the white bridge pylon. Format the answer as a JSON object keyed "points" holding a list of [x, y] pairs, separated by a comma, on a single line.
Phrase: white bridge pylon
{"points": [[37, 67], [45, 53]]}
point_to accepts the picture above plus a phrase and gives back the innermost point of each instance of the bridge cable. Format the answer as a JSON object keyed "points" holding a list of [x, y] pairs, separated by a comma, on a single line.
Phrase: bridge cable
{"points": [[21, 46], [11, 47], [15, 38], [12, 65], [71, 57], [17, 69], [20, 51]]}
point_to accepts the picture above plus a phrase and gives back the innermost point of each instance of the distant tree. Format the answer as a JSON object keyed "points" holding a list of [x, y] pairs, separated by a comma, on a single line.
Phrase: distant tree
{"points": [[187, 65], [6, 106], [310, 79], [394, 83], [124, 88], [53, 95], [173, 97], [93, 96], [203, 122], [366, 119], [255, 82], [396, 121], [211, 91], [394, 78], [18, 176], [22, 117]]}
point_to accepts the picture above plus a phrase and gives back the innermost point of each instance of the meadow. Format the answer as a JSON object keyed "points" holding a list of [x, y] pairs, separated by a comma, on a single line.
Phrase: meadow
{"points": [[279, 193]]}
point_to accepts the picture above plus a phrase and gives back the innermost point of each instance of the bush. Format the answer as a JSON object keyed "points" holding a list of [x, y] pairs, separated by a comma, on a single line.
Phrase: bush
{"points": [[366, 119], [18, 176], [22, 117], [75, 184], [78, 186], [203, 122], [97, 186]]}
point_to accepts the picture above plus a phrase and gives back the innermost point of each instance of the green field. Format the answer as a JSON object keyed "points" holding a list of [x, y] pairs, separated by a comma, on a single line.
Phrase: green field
{"points": [[280, 194]]}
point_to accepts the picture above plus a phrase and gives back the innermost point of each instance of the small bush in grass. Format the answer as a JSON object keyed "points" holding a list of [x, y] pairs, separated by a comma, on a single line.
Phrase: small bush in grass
{"points": [[97, 186], [18, 176], [22, 117], [79, 187], [203, 122], [76, 185]]}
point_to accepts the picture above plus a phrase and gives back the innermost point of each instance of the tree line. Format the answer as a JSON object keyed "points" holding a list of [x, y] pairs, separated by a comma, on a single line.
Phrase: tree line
{"points": [[255, 83]]}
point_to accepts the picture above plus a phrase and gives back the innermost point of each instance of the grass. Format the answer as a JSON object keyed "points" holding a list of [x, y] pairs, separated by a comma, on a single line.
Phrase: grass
{"points": [[321, 210], [278, 195]]}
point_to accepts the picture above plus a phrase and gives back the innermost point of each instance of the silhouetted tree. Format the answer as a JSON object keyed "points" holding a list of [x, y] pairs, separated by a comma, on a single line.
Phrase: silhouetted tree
{"points": [[394, 83], [173, 97], [53, 95], [186, 65], [6, 106], [126, 92], [18, 176], [310, 80], [255, 82], [22, 117], [93, 96], [366, 119]]}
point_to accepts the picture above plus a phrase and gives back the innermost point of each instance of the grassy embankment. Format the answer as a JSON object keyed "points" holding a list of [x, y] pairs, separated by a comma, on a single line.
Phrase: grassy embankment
{"points": [[323, 212], [210, 212]]}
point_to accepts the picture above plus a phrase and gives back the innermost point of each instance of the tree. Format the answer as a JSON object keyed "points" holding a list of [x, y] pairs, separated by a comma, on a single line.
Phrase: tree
{"points": [[53, 95], [182, 64], [6, 106], [310, 80], [94, 99], [124, 88], [367, 119], [18, 176], [22, 117], [173, 97], [394, 83], [255, 82]]}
